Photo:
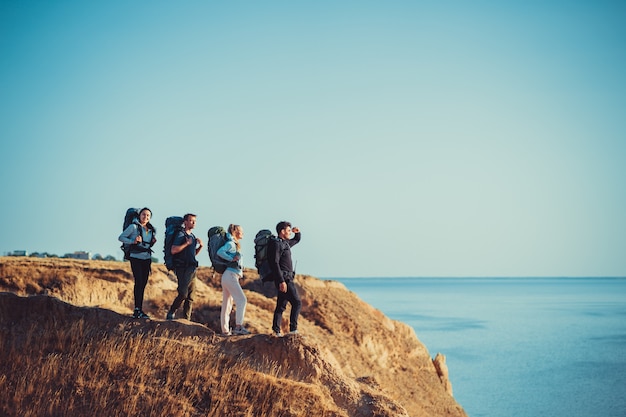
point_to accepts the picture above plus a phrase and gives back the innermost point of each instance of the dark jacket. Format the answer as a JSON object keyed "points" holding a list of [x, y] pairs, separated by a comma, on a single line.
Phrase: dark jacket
{"points": [[279, 256]]}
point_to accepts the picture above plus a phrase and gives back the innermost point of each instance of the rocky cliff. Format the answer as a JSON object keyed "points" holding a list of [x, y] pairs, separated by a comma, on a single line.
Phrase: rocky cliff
{"points": [[349, 360]]}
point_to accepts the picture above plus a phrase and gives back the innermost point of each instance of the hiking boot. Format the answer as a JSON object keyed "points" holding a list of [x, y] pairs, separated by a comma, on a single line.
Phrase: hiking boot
{"points": [[139, 314], [240, 330], [187, 310]]}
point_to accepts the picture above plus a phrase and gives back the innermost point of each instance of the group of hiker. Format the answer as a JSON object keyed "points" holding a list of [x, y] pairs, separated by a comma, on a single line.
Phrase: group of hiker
{"points": [[182, 247]]}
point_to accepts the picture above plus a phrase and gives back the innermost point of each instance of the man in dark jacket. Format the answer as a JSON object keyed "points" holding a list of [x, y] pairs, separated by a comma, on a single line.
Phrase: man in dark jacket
{"points": [[279, 256]]}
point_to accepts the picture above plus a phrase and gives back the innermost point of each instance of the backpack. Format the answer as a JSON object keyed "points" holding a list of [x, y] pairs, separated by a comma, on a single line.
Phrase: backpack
{"points": [[217, 239], [132, 215], [173, 225], [261, 240]]}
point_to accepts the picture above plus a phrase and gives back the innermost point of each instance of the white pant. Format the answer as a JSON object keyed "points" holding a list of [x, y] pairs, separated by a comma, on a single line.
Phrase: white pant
{"points": [[231, 291]]}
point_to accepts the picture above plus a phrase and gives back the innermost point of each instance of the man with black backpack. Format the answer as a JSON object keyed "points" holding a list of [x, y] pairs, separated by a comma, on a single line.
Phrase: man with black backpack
{"points": [[281, 265], [185, 247]]}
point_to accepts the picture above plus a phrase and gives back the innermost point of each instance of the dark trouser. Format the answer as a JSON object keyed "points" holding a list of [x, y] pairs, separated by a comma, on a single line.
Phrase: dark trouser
{"points": [[292, 297], [141, 270], [186, 286]]}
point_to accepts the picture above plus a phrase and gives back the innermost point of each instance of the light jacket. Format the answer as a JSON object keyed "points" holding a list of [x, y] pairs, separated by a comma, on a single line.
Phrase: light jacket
{"points": [[141, 250], [228, 253]]}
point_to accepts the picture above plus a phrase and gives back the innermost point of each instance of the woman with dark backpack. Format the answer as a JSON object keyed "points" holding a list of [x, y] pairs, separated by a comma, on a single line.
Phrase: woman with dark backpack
{"points": [[140, 235], [231, 288]]}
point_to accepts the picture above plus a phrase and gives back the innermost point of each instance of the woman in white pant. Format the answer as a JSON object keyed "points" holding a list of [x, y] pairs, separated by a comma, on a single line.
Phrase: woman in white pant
{"points": [[231, 289]]}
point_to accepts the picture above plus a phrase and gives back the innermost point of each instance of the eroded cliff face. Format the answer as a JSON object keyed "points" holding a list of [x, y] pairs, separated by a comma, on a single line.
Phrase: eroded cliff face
{"points": [[361, 362]]}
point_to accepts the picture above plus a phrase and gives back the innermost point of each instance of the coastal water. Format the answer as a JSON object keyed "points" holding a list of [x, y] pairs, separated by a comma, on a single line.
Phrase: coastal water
{"points": [[518, 347]]}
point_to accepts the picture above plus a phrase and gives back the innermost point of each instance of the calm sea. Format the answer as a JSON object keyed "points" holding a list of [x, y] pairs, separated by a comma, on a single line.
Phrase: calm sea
{"points": [[518, 347]]}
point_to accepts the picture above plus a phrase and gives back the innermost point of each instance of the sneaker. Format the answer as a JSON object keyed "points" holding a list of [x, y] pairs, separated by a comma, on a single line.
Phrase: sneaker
{"points": [[227, 334], [278, 334], [170, 316], [293, 332], [139, 314], [240, 330]]}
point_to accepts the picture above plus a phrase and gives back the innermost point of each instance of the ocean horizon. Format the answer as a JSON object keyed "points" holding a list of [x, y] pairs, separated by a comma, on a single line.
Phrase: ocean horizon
{"points": [[517, 346], [480, 277]]}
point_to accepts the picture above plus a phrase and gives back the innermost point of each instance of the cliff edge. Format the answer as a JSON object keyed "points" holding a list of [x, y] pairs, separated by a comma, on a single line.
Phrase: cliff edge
{"points": [[70, 345]]}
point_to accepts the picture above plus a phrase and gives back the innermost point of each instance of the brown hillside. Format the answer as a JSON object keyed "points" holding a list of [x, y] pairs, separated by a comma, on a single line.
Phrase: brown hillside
{"points": [[73, 349]]}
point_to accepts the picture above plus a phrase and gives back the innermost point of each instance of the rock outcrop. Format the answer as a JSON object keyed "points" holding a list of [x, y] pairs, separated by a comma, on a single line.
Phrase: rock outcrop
{"points": [[442, 371]]}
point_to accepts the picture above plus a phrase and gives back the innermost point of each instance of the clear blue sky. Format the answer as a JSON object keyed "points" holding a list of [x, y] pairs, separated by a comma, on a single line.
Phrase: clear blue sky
{"points": [[405, 138]]}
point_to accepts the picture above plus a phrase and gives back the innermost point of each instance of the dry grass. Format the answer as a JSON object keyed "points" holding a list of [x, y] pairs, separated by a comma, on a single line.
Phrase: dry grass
{"points": [[76, 369]]}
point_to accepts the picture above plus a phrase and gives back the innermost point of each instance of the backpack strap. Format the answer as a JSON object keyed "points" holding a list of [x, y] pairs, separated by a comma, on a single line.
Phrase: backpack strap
{"points": [[136, 248], [153, 230]]}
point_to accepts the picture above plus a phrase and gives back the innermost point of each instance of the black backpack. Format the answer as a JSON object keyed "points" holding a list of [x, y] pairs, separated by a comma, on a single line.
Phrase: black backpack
{"points": [[261, 240], [173, 225], [217, 238], [132, 215]]}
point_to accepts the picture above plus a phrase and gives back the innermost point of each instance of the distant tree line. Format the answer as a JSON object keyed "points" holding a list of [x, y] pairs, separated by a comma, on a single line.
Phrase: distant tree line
{"points": [[75, 255]]}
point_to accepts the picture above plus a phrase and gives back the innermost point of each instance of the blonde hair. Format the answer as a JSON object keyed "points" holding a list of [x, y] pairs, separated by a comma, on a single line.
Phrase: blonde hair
{"points": [[231, 230]]}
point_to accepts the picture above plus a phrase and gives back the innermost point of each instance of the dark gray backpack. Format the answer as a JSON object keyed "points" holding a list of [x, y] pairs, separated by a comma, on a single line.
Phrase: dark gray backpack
{"points": [[217, 239], [173, 225], [261, 243]]}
